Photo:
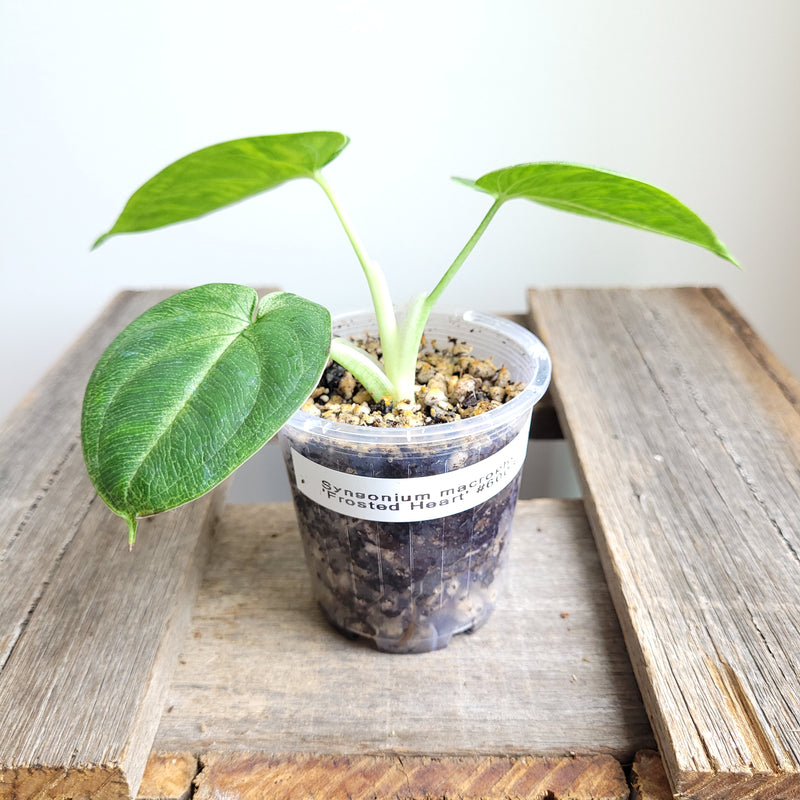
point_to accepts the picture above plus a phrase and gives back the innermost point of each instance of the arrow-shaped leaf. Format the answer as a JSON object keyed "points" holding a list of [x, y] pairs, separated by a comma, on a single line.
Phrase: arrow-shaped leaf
{"points": [[192, 388], [601, 194], [222, 174]]}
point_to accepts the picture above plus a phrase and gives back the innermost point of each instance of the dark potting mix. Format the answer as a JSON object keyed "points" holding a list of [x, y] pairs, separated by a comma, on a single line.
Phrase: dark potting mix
{"points": [[408, 586]]}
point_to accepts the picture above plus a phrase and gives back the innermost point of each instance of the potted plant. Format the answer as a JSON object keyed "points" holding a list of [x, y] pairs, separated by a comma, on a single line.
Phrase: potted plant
{"points": [[404, 521]]}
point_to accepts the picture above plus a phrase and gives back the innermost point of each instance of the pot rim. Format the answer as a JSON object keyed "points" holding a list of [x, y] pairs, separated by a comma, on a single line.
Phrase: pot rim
{"points": [[529, 346]]}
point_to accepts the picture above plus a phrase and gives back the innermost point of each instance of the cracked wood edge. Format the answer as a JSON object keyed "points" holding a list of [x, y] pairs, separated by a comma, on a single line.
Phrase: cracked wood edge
{"points": [[648, 778], [168, 776], [80, 704], [253, 776]]}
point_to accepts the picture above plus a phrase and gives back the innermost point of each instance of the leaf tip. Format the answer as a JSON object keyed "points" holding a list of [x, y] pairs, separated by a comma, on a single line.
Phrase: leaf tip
{"points": [[730, 257], [722, 251], [100, 241]]}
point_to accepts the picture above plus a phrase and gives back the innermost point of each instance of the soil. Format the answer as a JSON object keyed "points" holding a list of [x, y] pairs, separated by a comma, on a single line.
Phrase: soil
{"points": [[408, 587], [451, 384]]}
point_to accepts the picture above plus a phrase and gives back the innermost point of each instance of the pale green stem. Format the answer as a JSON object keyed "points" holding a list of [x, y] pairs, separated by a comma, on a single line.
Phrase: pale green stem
{"points": [[404, 371], [434, 296], [420, 309], [364, 366], [376, 280], [399, 345]]}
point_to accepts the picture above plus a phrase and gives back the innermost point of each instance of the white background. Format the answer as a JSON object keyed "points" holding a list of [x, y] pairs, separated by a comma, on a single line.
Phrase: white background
{"points": [[699, 97]]}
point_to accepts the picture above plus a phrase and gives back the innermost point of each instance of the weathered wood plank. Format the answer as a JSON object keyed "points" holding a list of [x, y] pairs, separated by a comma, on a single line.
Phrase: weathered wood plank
{"points": [[363, 777], [43, 484], [689, 452], [776, 369], [261, 669], [89, 633]]}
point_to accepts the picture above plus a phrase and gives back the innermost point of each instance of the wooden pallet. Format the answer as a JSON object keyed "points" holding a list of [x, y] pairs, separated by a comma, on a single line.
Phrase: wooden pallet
{"points": [[684, 428]]}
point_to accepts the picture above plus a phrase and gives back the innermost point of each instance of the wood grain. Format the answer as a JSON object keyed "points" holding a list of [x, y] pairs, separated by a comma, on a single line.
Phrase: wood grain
{"points": [[43, 484], [261, 670], [687, 438], [648, 779], [168, 776], [89, 633], [361, 777], [788, 383]]}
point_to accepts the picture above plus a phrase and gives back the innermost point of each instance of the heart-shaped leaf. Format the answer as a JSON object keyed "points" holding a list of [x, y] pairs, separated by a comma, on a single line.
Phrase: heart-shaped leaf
{"points": [[601, 194], [192, 388], [225, 173]]}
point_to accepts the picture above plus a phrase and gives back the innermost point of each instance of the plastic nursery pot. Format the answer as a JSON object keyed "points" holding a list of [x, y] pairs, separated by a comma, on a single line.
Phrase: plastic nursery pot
{"points": [[406, 530]]}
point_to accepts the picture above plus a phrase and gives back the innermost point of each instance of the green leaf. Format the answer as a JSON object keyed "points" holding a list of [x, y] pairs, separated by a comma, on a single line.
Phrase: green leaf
{"points": [[603, 195], [192, 388], [222, 174]]}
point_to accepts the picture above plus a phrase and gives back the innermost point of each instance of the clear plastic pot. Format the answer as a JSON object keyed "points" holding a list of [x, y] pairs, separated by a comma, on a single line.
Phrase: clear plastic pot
{"points": [[406, 530]]}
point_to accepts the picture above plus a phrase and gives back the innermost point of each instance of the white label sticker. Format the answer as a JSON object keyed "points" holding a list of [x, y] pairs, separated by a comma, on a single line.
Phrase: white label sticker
{"points": [[411, 499]]}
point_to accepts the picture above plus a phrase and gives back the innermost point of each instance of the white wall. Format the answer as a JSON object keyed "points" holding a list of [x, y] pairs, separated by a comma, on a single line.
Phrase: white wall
{"points": [[96, 96]]}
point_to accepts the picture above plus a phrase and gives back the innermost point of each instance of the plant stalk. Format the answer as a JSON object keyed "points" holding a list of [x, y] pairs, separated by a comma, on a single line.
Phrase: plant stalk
{"points": [[419, 311], [400, 344], [434, 296], [376, 280]]}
